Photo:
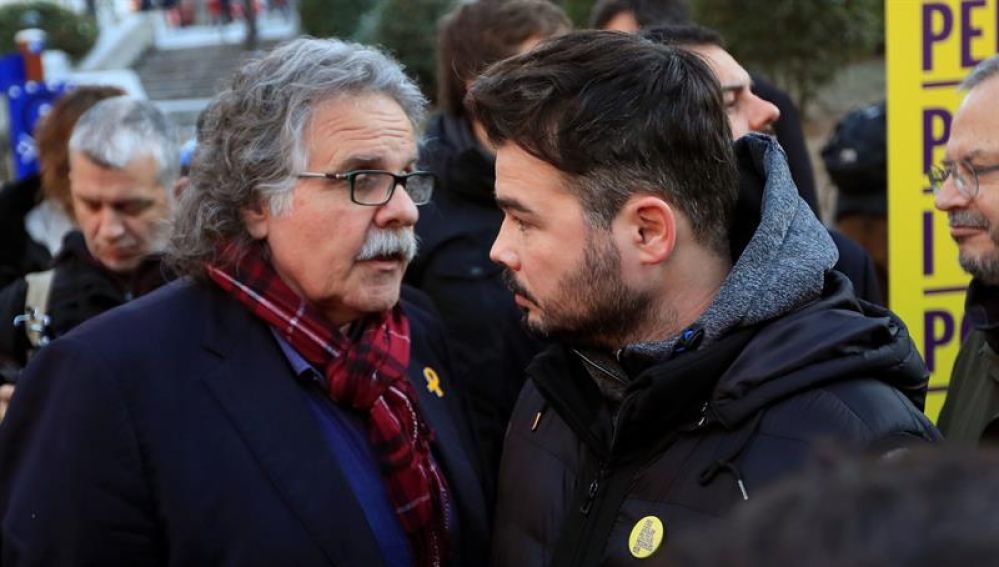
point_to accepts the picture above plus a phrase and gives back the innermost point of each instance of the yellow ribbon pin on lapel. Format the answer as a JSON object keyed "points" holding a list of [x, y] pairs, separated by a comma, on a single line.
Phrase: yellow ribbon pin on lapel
{"points": [[433, 382]]}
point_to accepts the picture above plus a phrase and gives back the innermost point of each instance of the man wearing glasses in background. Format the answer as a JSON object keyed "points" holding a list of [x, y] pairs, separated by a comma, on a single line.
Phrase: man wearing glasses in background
{"points": [[281, 405], [967, 189]]}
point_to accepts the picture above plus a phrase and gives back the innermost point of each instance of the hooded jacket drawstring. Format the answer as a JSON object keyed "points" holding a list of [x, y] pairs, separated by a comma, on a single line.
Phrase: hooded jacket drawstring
{"points": [[727, 462]]}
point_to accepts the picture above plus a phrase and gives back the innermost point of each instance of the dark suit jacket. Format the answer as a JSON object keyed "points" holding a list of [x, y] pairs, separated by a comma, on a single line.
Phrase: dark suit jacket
{"points": [[171, 431]]}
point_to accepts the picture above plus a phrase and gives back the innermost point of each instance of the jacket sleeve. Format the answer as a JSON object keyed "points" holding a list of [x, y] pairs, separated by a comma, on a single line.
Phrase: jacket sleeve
{"points": [[72, 488]]}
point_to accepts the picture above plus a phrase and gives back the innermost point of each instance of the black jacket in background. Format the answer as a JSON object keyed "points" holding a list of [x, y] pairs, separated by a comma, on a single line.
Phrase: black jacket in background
{"points": [[489, 345], [19, 254], [81, 289]]}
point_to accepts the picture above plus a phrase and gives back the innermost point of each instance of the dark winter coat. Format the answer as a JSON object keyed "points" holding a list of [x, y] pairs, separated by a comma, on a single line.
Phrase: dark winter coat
{"points": [[81, 289], [970, 414], [173, 431], [784, 360], [19, 253], [490, 347]]}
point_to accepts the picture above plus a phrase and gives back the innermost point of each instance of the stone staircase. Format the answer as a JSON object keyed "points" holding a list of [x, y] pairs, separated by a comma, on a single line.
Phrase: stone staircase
{"points": [[194, 73], [182, 81]]}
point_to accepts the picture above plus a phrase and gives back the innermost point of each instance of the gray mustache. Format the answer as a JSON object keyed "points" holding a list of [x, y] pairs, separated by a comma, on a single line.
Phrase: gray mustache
{"points": [[388, 242], [969, 219]]}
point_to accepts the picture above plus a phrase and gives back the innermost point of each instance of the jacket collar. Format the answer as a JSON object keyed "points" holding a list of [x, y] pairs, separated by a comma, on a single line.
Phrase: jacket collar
{"points": [[982, 309], [662, 398], [147, 276]]}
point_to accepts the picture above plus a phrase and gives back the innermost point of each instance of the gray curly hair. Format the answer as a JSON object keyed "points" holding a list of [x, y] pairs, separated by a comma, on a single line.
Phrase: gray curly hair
{"points": [[251, 137]]}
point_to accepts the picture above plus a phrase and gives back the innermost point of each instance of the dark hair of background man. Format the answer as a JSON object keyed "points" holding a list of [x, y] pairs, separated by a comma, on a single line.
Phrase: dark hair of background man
{"points": [[476, 35], [647, 12], [590, 104], [787, 128]]}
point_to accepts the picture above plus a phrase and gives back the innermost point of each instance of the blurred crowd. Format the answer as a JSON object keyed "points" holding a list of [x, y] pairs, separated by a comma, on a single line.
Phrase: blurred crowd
{"points": [[581, 312]]}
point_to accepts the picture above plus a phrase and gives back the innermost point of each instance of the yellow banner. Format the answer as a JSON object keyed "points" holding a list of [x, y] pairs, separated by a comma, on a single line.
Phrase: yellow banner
{"points": [[931, 47]]}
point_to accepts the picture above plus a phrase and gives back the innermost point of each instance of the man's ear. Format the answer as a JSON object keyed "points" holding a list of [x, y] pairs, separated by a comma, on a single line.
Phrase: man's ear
{"points": [[651, 226], [256, 219]]}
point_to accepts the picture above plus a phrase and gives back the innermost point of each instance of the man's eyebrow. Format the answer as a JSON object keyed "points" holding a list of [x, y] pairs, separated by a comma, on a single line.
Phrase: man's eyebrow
{"points": [[735, 86], [976, 153], [370, 162], [131, 200], [968, 157], [508, 204]]}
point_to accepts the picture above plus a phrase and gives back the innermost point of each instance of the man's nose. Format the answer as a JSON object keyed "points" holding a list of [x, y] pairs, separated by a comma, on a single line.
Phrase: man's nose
{"points": [[501, 252], [400, 210], [948, 198], [112, 225], [762, 113]]}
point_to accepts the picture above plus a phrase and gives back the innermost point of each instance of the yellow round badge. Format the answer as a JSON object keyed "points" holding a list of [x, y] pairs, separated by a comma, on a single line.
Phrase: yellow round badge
{"points": [[646, 537]]}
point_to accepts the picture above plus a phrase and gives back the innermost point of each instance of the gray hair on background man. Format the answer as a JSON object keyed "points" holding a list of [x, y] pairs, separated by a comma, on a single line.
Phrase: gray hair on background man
{"points": [[118, 130], [252, 142], [982, 72]]}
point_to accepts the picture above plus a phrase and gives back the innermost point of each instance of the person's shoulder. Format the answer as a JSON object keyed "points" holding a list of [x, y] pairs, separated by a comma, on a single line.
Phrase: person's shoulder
{"points": [[418, 306], [12, 296], [851, 253], [858, 410], [177, 305]]}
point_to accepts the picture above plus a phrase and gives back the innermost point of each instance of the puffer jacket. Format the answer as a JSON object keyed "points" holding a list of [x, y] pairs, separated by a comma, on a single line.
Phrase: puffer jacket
{"points": [[785, 360]]}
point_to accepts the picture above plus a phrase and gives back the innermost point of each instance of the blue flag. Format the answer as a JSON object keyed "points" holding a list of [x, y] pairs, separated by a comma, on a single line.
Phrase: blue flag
{"points": [[27, 102], [11, 71]]}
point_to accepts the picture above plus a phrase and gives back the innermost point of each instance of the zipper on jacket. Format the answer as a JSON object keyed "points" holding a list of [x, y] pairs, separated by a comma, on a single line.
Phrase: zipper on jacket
{"points": [[537, 417], [594, 491], [602, 370], [704, 415]]}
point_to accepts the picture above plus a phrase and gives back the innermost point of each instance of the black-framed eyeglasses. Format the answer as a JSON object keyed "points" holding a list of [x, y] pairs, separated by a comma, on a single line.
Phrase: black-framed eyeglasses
{"points": [[965, 175], [374, 187]]}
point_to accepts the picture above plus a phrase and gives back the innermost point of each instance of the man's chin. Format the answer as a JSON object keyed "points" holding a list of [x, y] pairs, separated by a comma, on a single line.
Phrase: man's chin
{"points": [[541, 329], [119, 265], [378, 300], [983, 266]]}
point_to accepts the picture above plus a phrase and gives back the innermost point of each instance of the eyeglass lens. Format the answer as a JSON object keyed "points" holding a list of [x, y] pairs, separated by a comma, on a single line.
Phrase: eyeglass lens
{"points": [[964, 179], [376, 187]]}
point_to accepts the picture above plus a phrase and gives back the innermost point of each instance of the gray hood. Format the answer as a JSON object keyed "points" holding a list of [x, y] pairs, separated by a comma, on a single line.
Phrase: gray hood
{"points": [[780, 268]]}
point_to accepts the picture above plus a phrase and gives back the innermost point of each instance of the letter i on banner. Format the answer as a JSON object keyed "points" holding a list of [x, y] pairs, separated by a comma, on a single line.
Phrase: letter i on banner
{"points": [[927, 284]]}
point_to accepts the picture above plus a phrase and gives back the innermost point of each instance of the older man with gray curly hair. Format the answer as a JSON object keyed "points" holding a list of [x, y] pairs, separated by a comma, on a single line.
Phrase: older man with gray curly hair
{"points": [[285, 403]]}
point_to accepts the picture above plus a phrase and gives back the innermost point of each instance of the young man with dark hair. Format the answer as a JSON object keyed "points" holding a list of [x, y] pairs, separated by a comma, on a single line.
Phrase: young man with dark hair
{"points": [[702, 344]]}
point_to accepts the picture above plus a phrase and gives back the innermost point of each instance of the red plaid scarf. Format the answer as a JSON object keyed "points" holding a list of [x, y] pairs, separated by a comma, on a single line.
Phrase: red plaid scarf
{"points": [[368, 375]]}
